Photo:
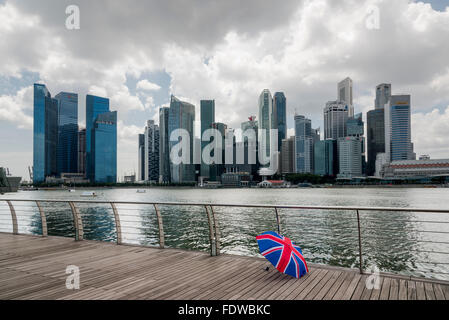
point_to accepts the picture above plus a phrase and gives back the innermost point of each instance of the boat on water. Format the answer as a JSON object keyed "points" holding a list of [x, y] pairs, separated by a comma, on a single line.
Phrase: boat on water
{"points": [[141, 191], [8, 183], [88, 194]]}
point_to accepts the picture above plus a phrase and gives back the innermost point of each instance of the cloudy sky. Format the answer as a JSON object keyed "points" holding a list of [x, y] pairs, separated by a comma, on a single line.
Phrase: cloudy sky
{"points": [[137, 53]]}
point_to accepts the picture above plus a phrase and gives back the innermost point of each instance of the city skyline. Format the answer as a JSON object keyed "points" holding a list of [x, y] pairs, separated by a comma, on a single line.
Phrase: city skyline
{"points": [[225, 66]]}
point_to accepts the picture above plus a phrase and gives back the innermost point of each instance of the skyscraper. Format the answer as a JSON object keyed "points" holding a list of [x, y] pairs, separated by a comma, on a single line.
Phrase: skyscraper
{"points": [[265, 121], [325, 158], [217, 169], [335, 120], [151, 152], [45, 134], [164, 147], [67, 150], [375, 138], [141, 158], [303, 145], [383, 94], [280, 116], [350, 157], [288, 156], [181, 116], [207, 119], [82, 151], [345, 94], [94, 107], [104, 148], [398, 144]]}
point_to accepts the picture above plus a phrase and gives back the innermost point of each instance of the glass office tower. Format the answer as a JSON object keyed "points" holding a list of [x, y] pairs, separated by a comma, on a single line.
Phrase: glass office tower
{"points": [[207, 109], [398, 128], [141, 159], [94, 106], [67, 151], [151, 151], [181, 116], [164, 147], [375, 138], [335, 120], [280, 114], [45, 133], [82, 152], [325, 158], [104, 148], [303, 145], [265, 121]]}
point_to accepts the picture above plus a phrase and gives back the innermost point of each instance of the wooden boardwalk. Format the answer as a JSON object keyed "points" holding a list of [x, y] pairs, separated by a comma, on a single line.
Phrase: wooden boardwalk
{"points": [[34, 268]]}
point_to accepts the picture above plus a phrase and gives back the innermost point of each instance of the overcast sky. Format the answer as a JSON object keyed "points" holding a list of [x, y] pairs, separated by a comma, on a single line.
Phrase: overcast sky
{"points": [[137, 53]]}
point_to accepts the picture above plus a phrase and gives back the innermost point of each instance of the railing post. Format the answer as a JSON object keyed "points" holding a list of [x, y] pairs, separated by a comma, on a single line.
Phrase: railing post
{"points": [[360, 243], [213, 246], [118, 226], [278, 220], [216, 231], [160, 226], [43, 219], [79, 233], [15, 226]]}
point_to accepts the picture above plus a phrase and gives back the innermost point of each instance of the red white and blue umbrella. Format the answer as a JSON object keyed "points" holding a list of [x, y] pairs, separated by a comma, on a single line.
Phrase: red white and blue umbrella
{"points": [[283, 254]]}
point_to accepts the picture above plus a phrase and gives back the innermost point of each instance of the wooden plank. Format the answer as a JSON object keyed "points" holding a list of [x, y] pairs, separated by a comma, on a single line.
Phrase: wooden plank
{"points": [[351, 288], [359, 289], [439, 295], [344, 286], [411, 292], [420, 291], [331, 293], [394, 289], [322, 293], [402, 289], [319, 287], [385, 291], [430, 294]]}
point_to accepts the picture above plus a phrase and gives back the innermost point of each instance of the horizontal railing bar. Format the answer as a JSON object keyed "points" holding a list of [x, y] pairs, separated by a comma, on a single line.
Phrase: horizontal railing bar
{"points": [[196, 204]]}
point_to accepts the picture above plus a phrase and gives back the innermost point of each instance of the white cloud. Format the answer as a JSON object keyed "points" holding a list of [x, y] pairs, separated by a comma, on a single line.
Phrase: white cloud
{"points": [[430, 132], [147, 86], [13, 108]]}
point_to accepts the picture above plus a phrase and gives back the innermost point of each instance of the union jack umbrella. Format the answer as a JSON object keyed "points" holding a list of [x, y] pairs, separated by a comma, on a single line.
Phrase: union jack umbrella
{"points": [[283, 254]]}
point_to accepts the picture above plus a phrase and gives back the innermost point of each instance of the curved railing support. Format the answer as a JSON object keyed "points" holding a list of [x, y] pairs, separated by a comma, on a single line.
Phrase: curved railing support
{"points": [[360, 243], [160, 226], [213, 245], [43, 219], [278, 220], [79, 233], [15, 226], [118, 226], [216, 231]]}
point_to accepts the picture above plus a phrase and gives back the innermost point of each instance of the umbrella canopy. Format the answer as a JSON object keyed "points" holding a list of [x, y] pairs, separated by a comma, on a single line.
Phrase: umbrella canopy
{"points": [[283, 254]]}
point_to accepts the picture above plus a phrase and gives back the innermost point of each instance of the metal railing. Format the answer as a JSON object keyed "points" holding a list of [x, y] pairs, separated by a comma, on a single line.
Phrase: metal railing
{"points": [[212, 219]]}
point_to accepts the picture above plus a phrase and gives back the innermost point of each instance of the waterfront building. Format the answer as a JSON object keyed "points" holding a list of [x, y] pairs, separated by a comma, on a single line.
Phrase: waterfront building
{"points": [[345, 94], [104, 148], [265, 121], [383, 94], [94, 107], [82, 152], [356, 128], [316, 135], [164, 146], [280, 116], [303, 145], [398, 144], [288, 156], [45, 134], [181, 116], [335, 120], [141, 158], [207, 109], [375, 137], [251, 124], [151, 152], [67, 150], [217, 169], [415, 169], [325, 158], [350, 157]]}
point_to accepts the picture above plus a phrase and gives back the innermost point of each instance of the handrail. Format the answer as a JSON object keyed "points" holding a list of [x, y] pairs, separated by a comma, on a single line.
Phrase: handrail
{"points": [[267, 206], [213, 225]]}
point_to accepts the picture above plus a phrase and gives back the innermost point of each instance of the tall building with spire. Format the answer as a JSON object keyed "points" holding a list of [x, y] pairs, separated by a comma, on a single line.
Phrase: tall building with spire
{"points": [[345, 94]]}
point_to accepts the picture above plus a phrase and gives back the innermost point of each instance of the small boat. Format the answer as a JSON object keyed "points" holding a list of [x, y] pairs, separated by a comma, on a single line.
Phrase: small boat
{"points": [[88, 194], [71, 190], [141, 191]]}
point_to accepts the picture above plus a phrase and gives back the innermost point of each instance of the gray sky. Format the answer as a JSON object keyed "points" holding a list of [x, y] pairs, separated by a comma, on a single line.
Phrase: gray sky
{"points": [[137, 53]]}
